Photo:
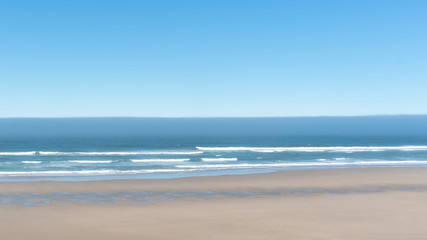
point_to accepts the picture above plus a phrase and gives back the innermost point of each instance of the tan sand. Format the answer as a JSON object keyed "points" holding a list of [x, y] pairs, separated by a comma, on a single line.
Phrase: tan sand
{"points": [[386, 215]]}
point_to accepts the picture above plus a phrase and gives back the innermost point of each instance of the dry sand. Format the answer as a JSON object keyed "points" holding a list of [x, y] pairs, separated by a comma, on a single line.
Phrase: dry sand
{"points": [[387, 215]]}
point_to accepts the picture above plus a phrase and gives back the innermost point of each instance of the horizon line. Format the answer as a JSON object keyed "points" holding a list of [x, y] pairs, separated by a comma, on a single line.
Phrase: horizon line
{"points": [[210, 117]]}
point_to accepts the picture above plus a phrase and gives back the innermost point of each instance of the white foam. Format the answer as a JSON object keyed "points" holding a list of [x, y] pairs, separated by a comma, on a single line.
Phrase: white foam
{"points": [[341, 159], [306, 164], [17, 153], [90, 161], [218, 159], [159, 160], [266, 150], [31, 162], [318, 149], [124, 153], [91, 172]]}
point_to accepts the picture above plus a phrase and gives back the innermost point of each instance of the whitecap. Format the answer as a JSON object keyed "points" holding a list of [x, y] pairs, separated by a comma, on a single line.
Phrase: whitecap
{"points": [[90, 161], [347, 149], [17, 153], [124, 153], [159, 160], [218, 159]]}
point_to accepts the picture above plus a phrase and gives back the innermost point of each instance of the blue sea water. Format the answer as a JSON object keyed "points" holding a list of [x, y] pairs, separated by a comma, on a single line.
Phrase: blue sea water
{"points": [[133, 148]]}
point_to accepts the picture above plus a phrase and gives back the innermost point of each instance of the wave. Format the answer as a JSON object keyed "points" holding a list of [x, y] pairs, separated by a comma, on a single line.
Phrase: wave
{"points": [[317, 149], [90, 172], [124, 153], [54, 153], [218, 159], [160, 160], [307, 164], [17, 153], [341, 158], [31, 162], [90, 161]]}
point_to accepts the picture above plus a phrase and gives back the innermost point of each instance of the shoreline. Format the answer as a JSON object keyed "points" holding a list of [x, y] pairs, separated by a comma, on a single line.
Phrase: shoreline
{"points": [[285, 179]]}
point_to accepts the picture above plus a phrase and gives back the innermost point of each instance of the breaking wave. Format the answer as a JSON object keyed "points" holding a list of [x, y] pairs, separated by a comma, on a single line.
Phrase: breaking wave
{"points": [[316, 149]]}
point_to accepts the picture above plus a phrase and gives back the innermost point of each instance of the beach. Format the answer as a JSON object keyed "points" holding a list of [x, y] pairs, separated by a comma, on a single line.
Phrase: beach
{"points": [[213, 120], [368, 203]]}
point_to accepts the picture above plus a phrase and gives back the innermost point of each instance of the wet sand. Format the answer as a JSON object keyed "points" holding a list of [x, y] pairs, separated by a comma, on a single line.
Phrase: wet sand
{"points": [[391, 214]]}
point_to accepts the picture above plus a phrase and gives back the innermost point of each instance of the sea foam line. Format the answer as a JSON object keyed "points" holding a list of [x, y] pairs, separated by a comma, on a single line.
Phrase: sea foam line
{"points": [[317, 149], [90, 161], [218, 159], [124, 153], [307, 164], [31, 162], [17, 153], [159, 160], [90, 172]]}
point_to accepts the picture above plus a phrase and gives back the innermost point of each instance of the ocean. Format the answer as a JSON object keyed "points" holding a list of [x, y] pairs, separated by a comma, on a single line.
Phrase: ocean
{"points": [[76, 149]]}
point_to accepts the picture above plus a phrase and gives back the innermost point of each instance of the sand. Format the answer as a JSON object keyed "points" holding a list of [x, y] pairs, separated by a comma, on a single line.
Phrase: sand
{"points": [[391, 214]]}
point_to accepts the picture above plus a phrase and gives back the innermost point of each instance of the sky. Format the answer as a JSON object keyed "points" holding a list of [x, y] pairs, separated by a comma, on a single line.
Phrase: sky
{"points": [[217, 58]]}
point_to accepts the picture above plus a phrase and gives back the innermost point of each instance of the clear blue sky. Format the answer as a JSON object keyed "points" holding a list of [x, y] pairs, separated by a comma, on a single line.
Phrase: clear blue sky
{"points": [[212, 58]]}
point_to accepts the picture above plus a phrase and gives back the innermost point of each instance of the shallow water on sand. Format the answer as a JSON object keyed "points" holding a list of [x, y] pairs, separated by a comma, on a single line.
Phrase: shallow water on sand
{"points": [[17, 200]]}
